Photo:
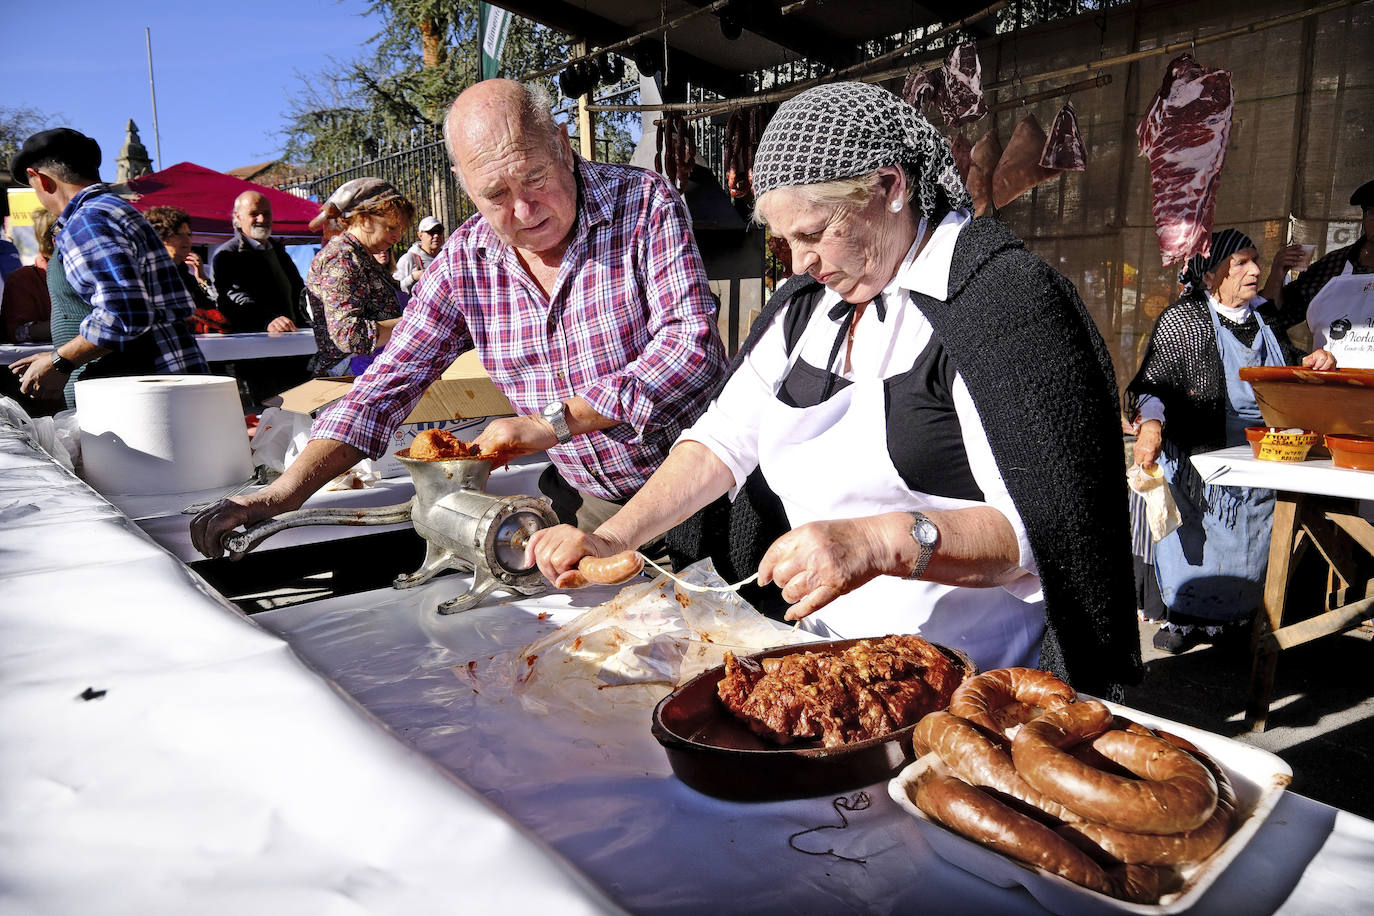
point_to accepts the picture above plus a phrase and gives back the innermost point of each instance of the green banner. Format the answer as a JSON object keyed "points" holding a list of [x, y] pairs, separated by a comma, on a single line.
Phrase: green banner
{"points": [[495, 23]]}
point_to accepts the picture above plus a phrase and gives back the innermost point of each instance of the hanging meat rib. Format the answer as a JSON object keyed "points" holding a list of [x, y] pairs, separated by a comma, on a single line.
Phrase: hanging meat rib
{"points": [[742, 133], [1019, 169], [1184, 135], [1064, 148], [959, 94]]}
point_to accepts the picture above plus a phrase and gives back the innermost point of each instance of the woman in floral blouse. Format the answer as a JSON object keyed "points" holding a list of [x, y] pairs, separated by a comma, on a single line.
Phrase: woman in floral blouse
{"points": [[353, 297]]}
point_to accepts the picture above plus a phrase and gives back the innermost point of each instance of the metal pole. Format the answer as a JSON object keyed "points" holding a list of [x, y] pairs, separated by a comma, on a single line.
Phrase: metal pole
{"points": [[157, 137]]}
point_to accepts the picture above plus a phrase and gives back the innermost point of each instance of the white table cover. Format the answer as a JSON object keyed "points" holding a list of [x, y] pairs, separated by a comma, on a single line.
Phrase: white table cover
{"points": [[600, 791], [224, 348], [216, 774], [1238, 467]]}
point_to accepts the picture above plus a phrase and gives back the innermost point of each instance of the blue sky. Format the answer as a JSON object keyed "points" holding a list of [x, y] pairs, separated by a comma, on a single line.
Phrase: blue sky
{"points": [[223, 69]]}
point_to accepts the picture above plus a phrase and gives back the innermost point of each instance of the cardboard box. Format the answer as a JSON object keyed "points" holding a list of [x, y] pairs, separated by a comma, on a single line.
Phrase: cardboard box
{"points": [[462, 400]]}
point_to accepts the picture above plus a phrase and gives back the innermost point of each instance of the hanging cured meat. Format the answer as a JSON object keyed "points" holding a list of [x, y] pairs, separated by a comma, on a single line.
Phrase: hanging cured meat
{"points": [[959, 94], [1184, 135], [742, 133], [963, 154], [1019, 169], [917, 89], [982, 162], [1064, 148], [675, 149]]}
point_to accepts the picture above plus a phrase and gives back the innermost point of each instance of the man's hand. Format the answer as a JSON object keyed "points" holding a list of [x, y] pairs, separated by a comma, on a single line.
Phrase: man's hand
{"points": [[1319, 359], [556, 551], [416, 274], [1148, 442], [1287, 258], [818, 562], [281, 325], [211, 525], [512, 437], [37, 377]]}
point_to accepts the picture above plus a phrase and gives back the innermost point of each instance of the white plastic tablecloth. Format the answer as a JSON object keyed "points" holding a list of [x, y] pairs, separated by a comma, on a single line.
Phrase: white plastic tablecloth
{"points": [[12, 353], [216, 774], [1238, 467], [226, 348], [600, 791]]}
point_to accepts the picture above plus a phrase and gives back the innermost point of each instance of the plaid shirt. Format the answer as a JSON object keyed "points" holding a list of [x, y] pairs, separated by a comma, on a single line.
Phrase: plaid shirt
{"points": [[630, 327], [114, 261], [1300, 293]]}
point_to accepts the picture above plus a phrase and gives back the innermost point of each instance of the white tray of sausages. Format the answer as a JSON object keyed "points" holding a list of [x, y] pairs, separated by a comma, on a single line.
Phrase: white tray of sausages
{"points": [[1257, 776]]}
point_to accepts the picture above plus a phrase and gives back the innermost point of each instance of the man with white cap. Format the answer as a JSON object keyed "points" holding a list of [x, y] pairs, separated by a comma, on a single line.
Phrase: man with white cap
{"points": [[419, 256]]}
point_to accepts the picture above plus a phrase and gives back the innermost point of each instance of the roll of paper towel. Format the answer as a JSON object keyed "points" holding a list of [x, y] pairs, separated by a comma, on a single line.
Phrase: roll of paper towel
{"points": [[155, 434]]}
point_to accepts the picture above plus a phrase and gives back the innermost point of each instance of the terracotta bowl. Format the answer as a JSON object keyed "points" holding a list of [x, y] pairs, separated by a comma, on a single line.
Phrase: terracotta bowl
{"points": [[1356, 452], [1271, 443], [716, 754]]}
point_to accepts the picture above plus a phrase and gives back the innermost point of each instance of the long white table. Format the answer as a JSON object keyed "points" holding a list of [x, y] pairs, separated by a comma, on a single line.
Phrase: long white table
{"points": [[598, 789], [228, 348], [337, 757], [210, 771], [218, 348], [1315, 503]]}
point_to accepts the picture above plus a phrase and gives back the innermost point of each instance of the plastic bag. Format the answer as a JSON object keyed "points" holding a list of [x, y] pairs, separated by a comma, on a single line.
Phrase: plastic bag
{"points": [[281, 437], [645, 641], [1160, 511], [57, 435]]}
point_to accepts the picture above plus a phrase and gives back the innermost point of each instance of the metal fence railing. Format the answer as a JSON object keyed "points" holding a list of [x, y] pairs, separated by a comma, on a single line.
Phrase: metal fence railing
{"points": [[415, 163]]}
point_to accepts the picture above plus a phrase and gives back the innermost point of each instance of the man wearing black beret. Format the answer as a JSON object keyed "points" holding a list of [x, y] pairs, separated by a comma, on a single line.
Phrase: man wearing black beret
{"points": [[118, 305], [1338, 293]]}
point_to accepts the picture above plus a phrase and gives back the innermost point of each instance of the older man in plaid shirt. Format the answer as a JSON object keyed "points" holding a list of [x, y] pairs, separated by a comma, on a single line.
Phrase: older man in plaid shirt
{"points": [[579, 284], [118, 304]]}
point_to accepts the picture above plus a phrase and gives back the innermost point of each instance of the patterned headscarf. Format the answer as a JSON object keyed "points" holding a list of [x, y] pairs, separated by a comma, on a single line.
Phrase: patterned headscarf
{"points": [[352, 197], [1224, 244], [845, 129]]}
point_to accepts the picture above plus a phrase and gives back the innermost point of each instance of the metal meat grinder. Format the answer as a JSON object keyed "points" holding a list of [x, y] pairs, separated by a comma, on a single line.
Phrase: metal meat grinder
{"points": [[464, 527]]}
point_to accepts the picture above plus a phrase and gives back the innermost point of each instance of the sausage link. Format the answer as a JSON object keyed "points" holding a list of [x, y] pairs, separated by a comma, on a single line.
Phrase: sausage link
{"points": [[611, 570], [973, 813], [984, 699], [1174, 793], [979, 760], [1176, 849]]}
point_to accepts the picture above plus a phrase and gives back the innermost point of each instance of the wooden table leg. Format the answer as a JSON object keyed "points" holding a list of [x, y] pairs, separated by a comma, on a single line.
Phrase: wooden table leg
{"points": [[1266, 651]]}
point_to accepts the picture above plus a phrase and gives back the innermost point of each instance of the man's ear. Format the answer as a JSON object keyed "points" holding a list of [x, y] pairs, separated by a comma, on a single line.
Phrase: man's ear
{"points": [[46, 182]]}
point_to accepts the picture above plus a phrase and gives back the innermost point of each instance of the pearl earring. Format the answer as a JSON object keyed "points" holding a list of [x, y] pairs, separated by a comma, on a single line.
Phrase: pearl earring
{"points": [[895, 206]]}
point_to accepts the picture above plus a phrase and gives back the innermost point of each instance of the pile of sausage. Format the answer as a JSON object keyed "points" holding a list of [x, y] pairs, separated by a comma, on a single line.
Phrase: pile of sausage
{"points": [[1099, 800]]}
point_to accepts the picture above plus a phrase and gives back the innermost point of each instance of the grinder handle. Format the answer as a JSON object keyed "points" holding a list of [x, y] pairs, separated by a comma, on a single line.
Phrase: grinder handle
{"points": [[239, 544]]}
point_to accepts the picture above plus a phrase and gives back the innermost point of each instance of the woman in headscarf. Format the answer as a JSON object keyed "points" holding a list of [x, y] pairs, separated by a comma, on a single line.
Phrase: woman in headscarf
{"points": [[1188, 398], [930, 403], [353, 298]]}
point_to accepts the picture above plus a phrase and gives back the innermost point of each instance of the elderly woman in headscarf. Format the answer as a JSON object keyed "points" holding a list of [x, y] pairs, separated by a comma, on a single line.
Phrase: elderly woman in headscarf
{"points": [[353, 298], [1188, 398], [930, 403]]}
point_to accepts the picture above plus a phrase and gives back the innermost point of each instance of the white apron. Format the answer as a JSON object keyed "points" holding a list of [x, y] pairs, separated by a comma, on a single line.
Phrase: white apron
{"points": [[1341, 317], [831, 461]]}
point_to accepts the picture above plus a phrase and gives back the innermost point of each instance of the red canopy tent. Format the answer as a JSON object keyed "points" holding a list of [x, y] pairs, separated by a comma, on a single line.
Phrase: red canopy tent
{"points": [[208, 196]]}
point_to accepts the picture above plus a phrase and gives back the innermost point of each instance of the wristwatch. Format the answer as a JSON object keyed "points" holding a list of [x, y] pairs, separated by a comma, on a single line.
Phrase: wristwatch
{"points": [[556, 414], [62, 364], [924, 532]]}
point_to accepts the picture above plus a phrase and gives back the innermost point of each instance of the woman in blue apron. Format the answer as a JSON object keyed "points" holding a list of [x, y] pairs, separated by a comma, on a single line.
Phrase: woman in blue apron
{"points": [[1188, 398]]}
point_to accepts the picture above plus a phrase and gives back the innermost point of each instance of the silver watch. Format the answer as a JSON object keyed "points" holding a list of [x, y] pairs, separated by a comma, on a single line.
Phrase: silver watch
{"points": [[926, 535], [556, 414]]}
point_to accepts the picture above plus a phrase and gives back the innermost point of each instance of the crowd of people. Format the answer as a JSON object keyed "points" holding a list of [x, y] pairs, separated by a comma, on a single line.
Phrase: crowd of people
{"points": [[921, 433]]}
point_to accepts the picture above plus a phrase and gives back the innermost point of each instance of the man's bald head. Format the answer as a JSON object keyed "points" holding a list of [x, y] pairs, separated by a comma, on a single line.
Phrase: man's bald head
{"points": [[496, 116], [253, 215], [516, 165]]}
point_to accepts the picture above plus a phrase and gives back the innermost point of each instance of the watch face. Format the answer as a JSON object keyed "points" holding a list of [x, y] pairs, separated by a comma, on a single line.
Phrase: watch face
{"points": [[926, 533]]}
